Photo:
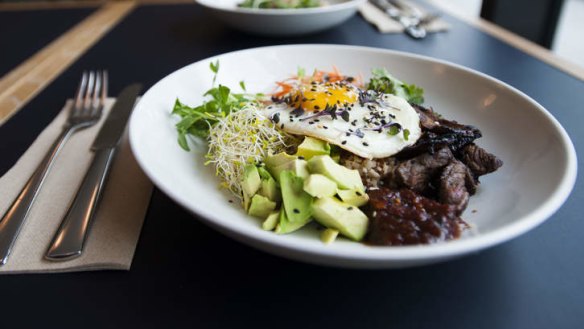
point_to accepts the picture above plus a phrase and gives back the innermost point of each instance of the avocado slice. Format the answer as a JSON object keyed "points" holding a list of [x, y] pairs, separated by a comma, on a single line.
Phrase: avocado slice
{"points": [[275, 160], [261, 206], [272, 220], [355, 198], [246, 201], [297, 203], [347, 219], [297, 166], [285, 225], [329, 235], [345, 178], [320, 186], [269, 188], [251, 180], [335, 153], [312, 146]]}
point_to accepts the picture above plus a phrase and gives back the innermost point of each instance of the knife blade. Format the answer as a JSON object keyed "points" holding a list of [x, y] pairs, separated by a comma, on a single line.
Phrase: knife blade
{"points": [[69, 240], [115, 123]]}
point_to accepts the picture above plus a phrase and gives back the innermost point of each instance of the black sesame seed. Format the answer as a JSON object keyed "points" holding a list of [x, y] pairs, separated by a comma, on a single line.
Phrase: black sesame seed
{"points": [[348, 134], [350, 208], [316, 107], [344, 142], [282, 126], [300, 157], [310, 122], [358, 193], [325, 127], [296, 211], [365, 144]]}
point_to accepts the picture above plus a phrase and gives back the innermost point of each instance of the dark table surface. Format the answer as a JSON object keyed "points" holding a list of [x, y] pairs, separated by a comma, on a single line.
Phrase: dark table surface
{"points": [[23, 33], [185, 274]]}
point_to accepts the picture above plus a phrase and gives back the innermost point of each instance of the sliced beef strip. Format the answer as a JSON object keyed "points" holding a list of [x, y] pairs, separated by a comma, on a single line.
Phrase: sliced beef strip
{"points": [[479, 161], [428, 118], [439, 132], [457, 184], [417, 173], [403, 217]]}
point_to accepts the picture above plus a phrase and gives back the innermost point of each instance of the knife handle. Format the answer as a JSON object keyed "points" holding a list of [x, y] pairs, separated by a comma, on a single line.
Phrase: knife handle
{"points": [[70, 239]]}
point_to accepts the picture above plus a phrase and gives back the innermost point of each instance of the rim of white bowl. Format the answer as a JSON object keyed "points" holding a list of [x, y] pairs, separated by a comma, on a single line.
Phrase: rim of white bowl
{"points": [[277, 12], [393, 253]]}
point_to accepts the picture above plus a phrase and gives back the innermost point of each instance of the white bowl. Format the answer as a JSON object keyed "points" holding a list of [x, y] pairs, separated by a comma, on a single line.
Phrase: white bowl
{"points": [[282, 22], [538, 174]]}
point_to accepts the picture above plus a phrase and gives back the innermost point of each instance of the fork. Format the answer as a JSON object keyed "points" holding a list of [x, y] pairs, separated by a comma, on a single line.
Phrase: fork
{"points": [[409, 17], [85, 112]]}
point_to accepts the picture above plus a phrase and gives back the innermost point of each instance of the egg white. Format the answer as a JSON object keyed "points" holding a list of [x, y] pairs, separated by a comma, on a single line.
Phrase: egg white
{"points": [[367, 142]]}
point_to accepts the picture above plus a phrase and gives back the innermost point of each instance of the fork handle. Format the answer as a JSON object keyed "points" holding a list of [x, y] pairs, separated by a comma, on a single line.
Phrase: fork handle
{"points": [[13, 220], [70, 239]]}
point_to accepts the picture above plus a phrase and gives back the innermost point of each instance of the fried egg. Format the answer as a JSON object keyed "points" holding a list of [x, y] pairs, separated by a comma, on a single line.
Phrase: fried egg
{"points": [[368, 124]]}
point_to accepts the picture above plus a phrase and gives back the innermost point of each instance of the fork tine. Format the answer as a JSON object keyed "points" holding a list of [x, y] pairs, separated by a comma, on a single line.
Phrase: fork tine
{"points": [[104, 86], [80, 90], [89, 91], [95, 94]]}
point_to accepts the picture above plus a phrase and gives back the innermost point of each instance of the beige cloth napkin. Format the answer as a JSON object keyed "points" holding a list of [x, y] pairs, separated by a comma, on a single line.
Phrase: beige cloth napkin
{"points": [[385, 24], [119, 217]]}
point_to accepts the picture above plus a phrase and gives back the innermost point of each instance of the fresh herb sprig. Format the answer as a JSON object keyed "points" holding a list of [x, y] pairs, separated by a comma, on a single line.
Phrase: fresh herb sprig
{"points": [[222, 101], [383, 82]]}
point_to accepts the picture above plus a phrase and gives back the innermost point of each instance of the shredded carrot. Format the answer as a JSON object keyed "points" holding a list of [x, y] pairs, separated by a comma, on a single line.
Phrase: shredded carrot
{"points": [[286, 88], [287, 85]]}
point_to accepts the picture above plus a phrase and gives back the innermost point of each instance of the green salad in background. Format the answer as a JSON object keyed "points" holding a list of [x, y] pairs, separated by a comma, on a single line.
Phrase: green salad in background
{"points": [[280, 4]]}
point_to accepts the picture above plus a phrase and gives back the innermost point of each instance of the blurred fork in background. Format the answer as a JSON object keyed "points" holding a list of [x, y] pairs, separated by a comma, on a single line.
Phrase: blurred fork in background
{"points": [[409, 16]]}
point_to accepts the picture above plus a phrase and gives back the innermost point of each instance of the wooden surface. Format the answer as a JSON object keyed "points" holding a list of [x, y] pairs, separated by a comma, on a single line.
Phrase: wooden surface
{"points": [[25, 81]]}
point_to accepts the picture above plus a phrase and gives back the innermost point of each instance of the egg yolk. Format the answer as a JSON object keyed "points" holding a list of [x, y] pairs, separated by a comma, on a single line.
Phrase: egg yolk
{"points": [[316, 97]]}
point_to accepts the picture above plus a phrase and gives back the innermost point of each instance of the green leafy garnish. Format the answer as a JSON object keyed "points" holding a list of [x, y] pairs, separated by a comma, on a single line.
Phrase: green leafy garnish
{"points": [[197, 120], [406, 134], [301, 73], [215, 69], [385, 83], [214, 66], [393, 130]]}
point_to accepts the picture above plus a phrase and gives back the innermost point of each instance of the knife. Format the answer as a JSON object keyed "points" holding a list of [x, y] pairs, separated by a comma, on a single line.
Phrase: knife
{"points": [[69, 240], [411, 24]]}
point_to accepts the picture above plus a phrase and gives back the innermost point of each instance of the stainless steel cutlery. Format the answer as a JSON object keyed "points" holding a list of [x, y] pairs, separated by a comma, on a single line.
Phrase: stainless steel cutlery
{"points": [[409, 16], [85, 112], [70, 238]]}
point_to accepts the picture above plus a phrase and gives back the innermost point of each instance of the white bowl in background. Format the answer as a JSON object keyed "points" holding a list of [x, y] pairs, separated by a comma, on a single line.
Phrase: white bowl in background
{"points": [[282, 22]]}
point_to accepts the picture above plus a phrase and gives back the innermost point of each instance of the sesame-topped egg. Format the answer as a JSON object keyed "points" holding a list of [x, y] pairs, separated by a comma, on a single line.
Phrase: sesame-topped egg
{"points": [[365, 123]]}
